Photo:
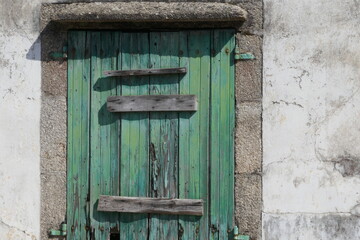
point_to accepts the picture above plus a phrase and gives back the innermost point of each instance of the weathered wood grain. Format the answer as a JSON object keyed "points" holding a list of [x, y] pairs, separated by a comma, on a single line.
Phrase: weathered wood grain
{"points": [[221, 136], [151, 205], [104, 138], [152, 103], [194, 141], [134, 136], [151, 154], [164, 130], [144, 72], [78, 160]]}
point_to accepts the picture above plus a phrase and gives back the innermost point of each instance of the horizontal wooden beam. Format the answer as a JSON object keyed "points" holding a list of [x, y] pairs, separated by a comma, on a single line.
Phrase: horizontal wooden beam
{"points": [[151, 205], [152, 103], [143, 72]]}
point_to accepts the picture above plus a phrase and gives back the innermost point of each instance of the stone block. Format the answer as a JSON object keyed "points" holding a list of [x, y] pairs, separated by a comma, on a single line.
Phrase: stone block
{"points": [[249, 73], [248, 149], [248, 204], [53, 134], [53, 200], [254, 22]]}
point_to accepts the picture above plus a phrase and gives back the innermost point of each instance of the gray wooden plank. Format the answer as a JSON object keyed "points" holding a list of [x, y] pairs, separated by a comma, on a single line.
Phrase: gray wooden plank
{"points": [[142, 72], [151, 103], [151, 205]]}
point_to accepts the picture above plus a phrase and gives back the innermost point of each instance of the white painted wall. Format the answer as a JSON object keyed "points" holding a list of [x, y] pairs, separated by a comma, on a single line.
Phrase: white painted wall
{"points": [[311, 119], [19, 120]]}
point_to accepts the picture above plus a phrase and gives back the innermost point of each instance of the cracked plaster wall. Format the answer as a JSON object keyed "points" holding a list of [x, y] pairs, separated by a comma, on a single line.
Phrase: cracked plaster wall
{"points": [[311, 127], [19, 120]]}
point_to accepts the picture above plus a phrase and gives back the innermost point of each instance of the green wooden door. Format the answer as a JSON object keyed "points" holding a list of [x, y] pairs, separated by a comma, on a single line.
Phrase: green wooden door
{"points": [[186, 155]]}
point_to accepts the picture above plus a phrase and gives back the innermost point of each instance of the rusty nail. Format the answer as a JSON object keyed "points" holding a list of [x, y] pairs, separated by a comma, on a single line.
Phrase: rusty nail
{"points": [[101, 228], [72, 228], [227, 51]]}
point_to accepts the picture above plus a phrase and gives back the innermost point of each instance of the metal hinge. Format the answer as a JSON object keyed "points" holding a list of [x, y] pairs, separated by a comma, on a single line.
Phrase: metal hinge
{"points": [[243, 56], [59, 55], [58, 233], [238, 236]]}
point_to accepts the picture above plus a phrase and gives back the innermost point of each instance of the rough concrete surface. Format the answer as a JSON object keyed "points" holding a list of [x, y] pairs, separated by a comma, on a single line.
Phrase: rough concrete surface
{"points": [[249, 73], [248, 204], [53, 130], [53, 153], [248, 143], [248, 152], [140, 12], [310, 119], [53, 205], [254, 22]]}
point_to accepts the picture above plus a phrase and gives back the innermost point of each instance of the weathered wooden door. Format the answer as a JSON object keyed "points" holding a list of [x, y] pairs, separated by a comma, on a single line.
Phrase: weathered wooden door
{"points": [[187, 155]]}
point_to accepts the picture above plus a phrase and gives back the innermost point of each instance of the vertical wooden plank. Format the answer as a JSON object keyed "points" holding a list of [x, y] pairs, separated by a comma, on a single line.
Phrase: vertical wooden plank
{"points": [[184, 136], [214, 140], [78, 134], [227, 162], [164, 53], [134, 169], [104, 174], [231, 169], [194, 131], [204, 46], [222, 125]]}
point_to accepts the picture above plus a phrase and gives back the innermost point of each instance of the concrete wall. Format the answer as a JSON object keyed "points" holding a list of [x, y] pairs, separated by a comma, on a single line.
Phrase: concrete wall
{"points": [[19, 120], [310, 122], [311, 127]]}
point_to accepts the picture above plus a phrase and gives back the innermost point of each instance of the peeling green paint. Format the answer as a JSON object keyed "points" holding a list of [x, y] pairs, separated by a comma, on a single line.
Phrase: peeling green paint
{"points": [[158, 154]]}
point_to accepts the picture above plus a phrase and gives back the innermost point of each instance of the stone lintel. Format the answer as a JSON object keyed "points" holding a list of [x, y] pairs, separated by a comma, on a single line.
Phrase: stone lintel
{"points": [[161, 12]]}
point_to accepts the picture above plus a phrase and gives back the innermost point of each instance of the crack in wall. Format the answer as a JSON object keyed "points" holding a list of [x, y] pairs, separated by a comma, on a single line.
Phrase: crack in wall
{"points": [[17, 229], [288, 103]]}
